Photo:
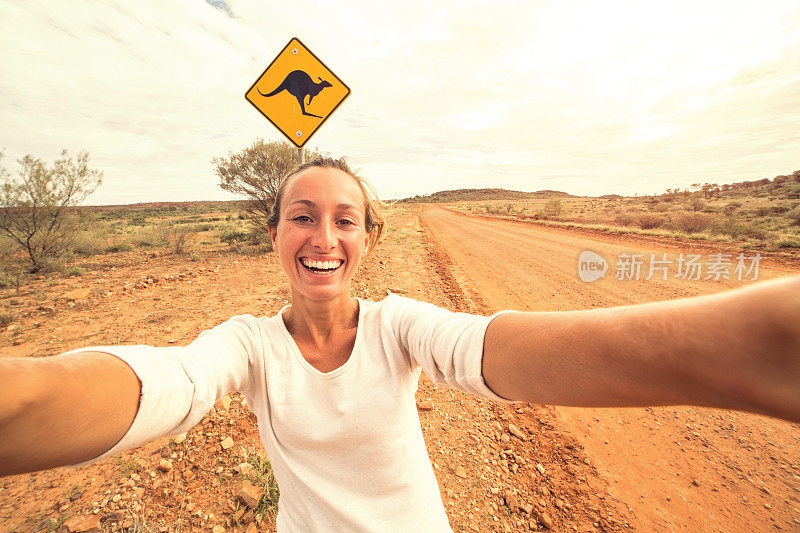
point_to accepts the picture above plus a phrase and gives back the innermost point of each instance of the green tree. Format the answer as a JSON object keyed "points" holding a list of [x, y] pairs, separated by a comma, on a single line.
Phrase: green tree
{"points": [[35, 211], [256, 173]]}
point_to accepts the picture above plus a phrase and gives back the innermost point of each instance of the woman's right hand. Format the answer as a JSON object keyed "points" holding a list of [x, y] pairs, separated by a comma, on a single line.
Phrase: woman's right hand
{"points": [[62, 410]]}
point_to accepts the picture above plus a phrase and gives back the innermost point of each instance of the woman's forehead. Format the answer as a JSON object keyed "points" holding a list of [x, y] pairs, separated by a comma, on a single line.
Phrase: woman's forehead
{"points": [[324, 185]]}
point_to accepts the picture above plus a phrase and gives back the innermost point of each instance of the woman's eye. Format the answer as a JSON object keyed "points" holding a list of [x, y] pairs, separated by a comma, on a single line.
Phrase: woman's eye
{"points": [[345, 221], [302, 218]]}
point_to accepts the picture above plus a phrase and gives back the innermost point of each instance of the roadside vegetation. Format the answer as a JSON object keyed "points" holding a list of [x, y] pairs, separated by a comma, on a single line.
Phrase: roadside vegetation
{"points": [[763, 214]]}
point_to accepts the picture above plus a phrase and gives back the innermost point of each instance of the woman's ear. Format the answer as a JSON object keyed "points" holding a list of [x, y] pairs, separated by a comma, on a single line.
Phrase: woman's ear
{"points": [[273, 234], [367, 239]]}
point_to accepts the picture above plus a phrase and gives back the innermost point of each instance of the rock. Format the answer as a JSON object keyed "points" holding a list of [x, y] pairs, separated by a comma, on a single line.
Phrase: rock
{"points": [[177, 439], [461, 472], [76, 294], [47, 309], [248, 494], [227, 443], [244, 469], [251, 528], [514, 430], [526, 508], [226, 402], [559, 504], [81, 524], [546, 521], [425, 405], [165, 465], [218, 529], [511, 499], [540, 468]]}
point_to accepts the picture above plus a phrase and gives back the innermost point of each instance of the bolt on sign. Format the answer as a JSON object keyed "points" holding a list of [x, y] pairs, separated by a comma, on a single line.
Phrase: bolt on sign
{"points": [[297, 92]]}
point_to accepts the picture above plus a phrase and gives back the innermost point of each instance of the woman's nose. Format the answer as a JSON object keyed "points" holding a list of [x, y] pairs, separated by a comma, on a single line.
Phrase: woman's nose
{"points": [[323, 236]]}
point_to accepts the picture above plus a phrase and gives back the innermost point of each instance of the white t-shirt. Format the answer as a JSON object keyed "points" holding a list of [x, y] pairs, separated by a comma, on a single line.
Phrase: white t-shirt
{"points": [[345, 446]]}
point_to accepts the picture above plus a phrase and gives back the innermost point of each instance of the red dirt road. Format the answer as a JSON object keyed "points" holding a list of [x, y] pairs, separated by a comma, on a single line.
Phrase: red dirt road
{"points": [[677, 468]]}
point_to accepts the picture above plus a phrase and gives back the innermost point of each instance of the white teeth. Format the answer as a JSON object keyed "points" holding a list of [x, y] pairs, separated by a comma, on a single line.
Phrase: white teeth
{"points": [[323, 265]]}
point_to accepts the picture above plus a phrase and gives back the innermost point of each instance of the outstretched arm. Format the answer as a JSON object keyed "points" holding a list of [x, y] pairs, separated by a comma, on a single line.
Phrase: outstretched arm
{"points": [[62, 410], [735, 350]]}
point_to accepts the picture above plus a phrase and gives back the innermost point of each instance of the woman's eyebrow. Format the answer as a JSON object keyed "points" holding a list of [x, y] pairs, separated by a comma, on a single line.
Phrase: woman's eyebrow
{"points": [[312, 204]]}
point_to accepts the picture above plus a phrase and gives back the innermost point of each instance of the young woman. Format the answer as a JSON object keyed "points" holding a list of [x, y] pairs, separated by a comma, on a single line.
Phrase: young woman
{"points": [[332, 378]]}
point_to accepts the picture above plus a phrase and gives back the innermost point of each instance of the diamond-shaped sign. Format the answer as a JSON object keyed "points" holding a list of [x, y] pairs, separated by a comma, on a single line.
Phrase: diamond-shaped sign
{"points": [[297, 92]]}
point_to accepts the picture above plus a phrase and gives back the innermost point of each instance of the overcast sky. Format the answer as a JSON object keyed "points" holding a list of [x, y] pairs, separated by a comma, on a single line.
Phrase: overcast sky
{"points": [[590, 98]]}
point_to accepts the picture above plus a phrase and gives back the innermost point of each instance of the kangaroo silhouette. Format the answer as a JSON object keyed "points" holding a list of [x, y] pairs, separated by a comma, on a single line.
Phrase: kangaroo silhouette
{"points": [[299, 84]]}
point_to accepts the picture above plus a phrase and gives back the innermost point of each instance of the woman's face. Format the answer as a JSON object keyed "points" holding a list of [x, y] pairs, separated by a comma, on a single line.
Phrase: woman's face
{"points": [[320, 238]]}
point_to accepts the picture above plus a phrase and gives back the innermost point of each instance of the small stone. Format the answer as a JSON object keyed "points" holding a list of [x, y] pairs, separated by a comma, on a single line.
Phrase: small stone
{"points": [[425, 405], [251, 528], [76, 294], [540, 468], [461, 472], [81, 524], [559, 504], [511, 499], [546, 521], [179, 438], [218, 529], [527, 508], [248, 494], [165, 465], [226, 402], [127, 523], [767, 506], [227, 443], [514, 430], [695, 483], [244, 469]]}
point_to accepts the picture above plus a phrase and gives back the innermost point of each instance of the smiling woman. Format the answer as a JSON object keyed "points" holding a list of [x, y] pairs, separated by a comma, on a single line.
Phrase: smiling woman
{"points": [[331, 378]]}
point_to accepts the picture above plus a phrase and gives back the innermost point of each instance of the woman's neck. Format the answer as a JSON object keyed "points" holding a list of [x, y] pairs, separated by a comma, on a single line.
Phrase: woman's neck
{"points": [[316, 320]]}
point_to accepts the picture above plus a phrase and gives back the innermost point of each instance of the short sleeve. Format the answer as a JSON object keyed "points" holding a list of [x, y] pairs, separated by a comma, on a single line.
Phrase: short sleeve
{"points": [[180, 384], [448, 345]]}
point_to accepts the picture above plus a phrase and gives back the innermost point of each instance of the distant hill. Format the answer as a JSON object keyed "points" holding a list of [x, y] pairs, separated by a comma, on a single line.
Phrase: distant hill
{"points": [[483, 194]]}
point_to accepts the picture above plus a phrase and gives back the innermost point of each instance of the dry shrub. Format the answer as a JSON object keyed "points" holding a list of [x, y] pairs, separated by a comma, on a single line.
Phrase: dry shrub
{"points": [[649, 221], [692, 222], [625, 219]]}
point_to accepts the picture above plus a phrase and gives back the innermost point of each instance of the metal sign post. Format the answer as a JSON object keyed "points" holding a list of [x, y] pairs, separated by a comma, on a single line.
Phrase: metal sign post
{"points": [[297, 93], [301, 156]]}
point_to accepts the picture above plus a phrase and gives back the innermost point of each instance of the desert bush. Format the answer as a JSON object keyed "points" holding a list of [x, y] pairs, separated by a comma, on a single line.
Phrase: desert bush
{"points": [[659, 207], [6, 280], [649, 221], [121, 247], [794, 215], [787, 243], [233, 236], [692, 222], [696, 203], [195, 257], [625, 219], [89, 242], [178, 239], [38, 212], [75, 271], [731, 207], [6, 318]]}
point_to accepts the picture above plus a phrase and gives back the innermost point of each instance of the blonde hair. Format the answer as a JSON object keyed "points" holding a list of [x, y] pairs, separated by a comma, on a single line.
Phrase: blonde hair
{"points": [[373, 217]]}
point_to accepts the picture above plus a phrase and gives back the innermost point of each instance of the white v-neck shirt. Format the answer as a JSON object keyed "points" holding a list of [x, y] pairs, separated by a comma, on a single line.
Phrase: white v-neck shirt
{"points": [[345, 446]]}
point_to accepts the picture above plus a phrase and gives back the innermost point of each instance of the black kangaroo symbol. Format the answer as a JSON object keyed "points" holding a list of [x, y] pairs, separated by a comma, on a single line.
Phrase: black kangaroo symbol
{"points": [[299, 84]]}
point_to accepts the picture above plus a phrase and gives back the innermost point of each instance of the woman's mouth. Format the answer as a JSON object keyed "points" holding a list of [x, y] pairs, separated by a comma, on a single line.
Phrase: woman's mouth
{"points": [[321, 267]]}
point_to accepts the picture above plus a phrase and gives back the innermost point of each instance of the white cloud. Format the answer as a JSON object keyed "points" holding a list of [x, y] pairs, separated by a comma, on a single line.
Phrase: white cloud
{"points": [[586, 97]]}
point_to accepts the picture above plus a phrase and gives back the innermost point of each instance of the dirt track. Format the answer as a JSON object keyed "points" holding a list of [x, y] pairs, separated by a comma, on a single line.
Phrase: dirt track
{"points": [[677, 469]]}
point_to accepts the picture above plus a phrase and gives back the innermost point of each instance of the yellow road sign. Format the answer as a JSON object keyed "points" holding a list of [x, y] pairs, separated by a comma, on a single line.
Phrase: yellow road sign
{"points": [[297, 92]]}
